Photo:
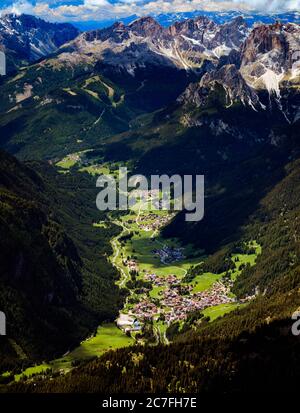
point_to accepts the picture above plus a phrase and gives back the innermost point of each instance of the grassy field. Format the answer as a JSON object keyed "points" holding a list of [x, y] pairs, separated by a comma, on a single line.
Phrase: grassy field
{"points": [[205, 281], [218, 311], [35, 370], [95, 170], [71, 160], [67, 163], [108, 337], [102, 224], [155, 292], [244, 259]]}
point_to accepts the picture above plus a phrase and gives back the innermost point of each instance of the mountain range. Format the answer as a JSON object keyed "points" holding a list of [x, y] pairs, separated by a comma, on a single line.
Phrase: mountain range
{"points": [[25, 39], [123, 71], [167, 19]]}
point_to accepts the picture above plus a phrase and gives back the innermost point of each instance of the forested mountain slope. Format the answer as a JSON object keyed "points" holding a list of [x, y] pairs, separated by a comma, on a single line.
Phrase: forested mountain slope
{"points": [[56, 283]]}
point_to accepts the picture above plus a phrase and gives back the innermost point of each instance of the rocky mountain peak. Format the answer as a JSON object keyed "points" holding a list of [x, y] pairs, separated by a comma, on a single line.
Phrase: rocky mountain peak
{"points": [[277, 38], [192, 27], [238, 22], [227, 78], [145, 27], [118, 32], [26, 37], [269, 56]]}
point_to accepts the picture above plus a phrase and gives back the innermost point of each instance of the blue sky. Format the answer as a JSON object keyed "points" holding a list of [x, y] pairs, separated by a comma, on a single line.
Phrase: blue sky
{"points": [[86, 10]]}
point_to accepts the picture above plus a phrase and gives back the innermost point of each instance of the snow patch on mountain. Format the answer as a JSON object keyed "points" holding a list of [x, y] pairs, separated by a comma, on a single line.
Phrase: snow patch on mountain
{"points": [[272, 81], [221, 50]]}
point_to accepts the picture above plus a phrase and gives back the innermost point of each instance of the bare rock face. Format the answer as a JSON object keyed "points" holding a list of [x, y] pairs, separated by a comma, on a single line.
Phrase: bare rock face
{"points": [[197, 28], [233, 34], [117, 32], [206, 36], [227, 79], [233, 82], [270, 59], [146, 27], [272, 45]]}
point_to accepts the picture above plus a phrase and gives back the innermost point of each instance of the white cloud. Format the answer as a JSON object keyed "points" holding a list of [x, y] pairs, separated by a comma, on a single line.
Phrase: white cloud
{"points": [[104, 10], [98, 3], [22, 6], [272, 5]]}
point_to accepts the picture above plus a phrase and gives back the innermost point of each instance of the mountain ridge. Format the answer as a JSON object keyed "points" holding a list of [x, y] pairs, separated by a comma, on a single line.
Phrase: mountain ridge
{"points": [[54, 290], [25, 38], [221, 17]]}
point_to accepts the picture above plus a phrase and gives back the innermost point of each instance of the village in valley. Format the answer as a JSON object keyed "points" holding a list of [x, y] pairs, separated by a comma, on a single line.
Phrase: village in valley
{"points": [[155, 272], [155, 268], [178, 302]]}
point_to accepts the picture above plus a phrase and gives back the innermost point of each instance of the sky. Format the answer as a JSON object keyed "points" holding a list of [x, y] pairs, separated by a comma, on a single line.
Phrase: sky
{"points": [[101, 10]]}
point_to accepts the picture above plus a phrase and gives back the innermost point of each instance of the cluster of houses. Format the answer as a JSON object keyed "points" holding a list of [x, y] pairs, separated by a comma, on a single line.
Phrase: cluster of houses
{"points": [[169, 254], [153, 222], [159, 281], [179, 301], [145, 310], [181, 305]]}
